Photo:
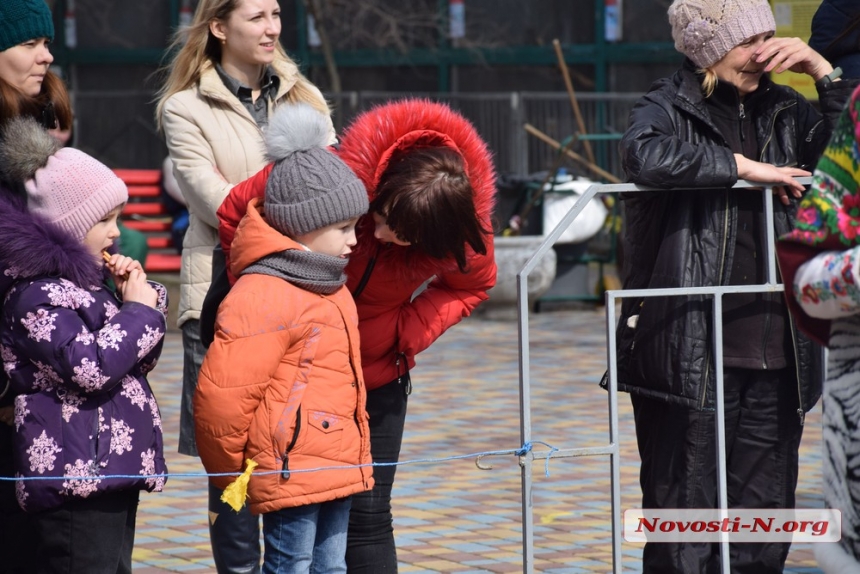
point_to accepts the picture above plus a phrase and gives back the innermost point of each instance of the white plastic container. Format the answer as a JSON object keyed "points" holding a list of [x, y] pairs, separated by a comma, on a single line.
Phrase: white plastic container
{"points": [[558, 199]]}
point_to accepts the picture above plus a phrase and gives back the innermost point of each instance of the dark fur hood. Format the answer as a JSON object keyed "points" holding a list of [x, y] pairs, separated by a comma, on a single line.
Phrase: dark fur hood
{"points": [[31, 247]]}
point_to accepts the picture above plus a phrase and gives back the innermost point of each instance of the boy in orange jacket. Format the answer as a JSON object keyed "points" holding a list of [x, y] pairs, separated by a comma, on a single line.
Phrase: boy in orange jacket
{"points": [[282, 385]]}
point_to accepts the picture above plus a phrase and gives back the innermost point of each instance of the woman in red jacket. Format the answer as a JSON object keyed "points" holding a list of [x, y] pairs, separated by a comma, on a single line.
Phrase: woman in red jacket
{"points": [[431, 186]]}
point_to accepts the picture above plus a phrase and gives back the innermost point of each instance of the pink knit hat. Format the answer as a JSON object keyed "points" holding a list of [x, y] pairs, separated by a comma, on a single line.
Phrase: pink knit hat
{"points": [[74, 191], [706, 30]]}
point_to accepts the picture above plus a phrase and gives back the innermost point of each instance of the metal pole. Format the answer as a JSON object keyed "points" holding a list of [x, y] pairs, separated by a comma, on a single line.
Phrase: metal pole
{"points": [[769, 238], [722, 489], [525, 423], [614, 458]]}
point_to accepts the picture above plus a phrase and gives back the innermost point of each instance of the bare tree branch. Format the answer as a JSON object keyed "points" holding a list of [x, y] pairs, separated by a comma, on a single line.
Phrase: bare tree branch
{"points": [[321, 24]]}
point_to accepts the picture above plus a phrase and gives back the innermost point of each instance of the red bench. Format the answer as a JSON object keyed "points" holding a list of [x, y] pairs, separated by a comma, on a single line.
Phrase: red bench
{"points": [[146, 213]]}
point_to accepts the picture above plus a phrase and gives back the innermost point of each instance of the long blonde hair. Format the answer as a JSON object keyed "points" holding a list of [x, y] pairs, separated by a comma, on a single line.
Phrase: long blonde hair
{"points": [[195, 44]]}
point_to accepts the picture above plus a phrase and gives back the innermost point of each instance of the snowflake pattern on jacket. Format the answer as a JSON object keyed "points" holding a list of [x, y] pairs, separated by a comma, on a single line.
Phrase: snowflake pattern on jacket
{"points": [[76, 359]]}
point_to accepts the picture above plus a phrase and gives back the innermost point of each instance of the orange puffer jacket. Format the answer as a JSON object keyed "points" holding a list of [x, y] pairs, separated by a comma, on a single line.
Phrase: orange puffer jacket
{"points": [[282, 385]]}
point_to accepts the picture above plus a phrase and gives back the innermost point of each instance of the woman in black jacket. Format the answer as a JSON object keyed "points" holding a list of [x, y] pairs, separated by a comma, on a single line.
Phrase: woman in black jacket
{"points": [[718, 119], [27, 88]]}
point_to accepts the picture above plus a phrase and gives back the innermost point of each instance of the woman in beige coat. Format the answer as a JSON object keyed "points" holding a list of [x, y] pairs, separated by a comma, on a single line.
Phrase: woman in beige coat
{"points": [[229, 73]]}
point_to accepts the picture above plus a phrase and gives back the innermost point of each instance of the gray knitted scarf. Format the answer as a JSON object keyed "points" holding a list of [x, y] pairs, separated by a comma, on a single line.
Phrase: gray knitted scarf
{"points": [[315, 272]]}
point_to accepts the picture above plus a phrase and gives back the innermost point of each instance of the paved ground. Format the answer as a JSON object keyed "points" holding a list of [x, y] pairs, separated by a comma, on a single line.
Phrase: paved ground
{"points": [[450, 515]]}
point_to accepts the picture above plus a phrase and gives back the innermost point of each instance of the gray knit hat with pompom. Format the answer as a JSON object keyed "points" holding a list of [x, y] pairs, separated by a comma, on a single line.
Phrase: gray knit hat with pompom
{"points": [[309, 187]]}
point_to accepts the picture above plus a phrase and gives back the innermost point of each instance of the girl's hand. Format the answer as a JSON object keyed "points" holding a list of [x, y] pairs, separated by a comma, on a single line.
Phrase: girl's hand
{"points": [[767, 173], [120, 266], [792, 54], [135, 288]]}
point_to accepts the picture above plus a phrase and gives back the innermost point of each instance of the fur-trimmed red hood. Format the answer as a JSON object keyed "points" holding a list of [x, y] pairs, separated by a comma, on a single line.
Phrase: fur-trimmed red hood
{"points": [[369, 143]]}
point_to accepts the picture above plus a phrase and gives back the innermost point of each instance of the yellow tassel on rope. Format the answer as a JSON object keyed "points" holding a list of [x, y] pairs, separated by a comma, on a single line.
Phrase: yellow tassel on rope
{"points": [[236, 493]]}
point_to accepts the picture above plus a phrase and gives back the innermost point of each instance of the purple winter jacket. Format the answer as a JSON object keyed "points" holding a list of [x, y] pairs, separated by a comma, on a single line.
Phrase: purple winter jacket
{"points": [[76, 359]]}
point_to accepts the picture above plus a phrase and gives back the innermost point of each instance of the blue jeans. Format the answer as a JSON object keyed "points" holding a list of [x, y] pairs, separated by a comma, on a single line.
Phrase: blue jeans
{"points": [[309, 539]]}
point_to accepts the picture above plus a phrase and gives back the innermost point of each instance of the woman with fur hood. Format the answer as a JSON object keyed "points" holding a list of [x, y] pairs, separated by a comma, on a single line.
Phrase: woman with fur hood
{"points": [[76, 354], [431, 186]]}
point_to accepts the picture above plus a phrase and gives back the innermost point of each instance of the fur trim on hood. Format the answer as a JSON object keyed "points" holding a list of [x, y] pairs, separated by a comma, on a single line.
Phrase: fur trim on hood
{"points": [[375, 136], [25, 148], [31, 247]]}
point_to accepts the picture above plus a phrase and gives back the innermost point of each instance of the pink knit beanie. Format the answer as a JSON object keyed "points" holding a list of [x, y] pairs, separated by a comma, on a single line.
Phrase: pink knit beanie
{"points": [[706, 30], [74, 191]]}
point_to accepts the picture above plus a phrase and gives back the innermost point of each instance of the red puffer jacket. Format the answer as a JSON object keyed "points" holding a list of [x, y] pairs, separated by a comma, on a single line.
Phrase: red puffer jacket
{"points": [[395, 327]]}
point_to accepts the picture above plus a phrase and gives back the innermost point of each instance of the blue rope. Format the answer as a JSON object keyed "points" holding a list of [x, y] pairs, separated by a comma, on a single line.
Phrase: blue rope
{"points": [[522, 451]]}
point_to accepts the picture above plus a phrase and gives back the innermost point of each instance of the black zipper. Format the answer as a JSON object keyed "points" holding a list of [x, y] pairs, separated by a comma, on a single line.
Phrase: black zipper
{"points": [[96, 437], [285, 470], [772, 126], [367, 272], [407, 389], [811, 133], [765, 337], [793, 331], [761, 158]]}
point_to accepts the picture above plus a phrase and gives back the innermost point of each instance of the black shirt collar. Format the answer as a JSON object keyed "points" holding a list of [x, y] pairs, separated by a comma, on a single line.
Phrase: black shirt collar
{"points": [[268, 85]]}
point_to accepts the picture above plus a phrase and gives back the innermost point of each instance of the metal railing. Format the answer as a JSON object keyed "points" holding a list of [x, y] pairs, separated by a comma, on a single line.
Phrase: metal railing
{"points": [[612, 449]]}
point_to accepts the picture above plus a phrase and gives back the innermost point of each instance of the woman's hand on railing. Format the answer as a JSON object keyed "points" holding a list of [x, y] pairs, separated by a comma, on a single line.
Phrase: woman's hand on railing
{"points": [[751, 170]]}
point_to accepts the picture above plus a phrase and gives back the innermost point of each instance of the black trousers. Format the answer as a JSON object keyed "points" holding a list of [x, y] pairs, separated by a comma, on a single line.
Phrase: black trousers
{"points": [[370, 540], [95, 536], [18, 535], [677, 446], [234, 536]]}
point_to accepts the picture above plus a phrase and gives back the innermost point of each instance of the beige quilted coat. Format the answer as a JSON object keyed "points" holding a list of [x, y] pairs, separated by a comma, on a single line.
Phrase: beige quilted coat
{"points": [[214, 143]]}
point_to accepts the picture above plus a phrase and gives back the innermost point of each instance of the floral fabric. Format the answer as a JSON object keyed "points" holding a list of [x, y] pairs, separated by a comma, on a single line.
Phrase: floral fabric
{"points": [[827, 285], [77, 361], [819, 258], [819, 263]]}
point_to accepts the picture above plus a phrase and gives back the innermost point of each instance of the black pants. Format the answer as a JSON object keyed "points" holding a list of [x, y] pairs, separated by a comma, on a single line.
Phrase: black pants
{"points": [[95, 536], [18, 536], [370, 541], [234, 536], [677, 446]]}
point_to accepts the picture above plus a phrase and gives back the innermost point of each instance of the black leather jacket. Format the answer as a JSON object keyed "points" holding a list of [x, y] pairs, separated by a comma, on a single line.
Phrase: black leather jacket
{"points": [[685, 237]]}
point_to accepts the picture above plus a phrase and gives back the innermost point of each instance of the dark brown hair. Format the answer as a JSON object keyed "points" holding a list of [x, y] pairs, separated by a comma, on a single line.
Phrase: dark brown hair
{"points": [[51, 107], [427, 199]]}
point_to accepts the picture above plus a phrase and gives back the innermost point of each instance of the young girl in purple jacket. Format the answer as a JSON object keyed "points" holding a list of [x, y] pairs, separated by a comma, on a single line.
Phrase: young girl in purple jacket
{"points": [[87, 426]]}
